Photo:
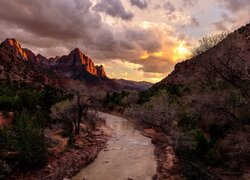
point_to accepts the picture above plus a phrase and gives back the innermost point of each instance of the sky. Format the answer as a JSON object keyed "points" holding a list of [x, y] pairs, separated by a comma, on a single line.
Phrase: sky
{"points": [[138, 40]]}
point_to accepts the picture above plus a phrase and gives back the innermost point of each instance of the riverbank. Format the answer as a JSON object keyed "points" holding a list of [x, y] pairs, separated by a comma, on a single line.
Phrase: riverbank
{"points": [[167, 161], [67, 160], [128, 155]]}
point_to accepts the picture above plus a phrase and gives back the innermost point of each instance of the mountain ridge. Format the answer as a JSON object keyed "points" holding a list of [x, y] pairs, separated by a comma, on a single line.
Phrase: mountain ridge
{"points": [[76, 65]]}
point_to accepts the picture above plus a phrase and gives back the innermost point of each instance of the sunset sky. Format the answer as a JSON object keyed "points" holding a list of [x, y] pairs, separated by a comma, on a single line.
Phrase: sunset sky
{"points": [[133, 39]]}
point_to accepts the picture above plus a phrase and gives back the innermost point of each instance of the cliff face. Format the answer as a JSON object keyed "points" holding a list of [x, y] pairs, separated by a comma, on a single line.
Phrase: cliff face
{"points": [[75, 64], [15, 48]]}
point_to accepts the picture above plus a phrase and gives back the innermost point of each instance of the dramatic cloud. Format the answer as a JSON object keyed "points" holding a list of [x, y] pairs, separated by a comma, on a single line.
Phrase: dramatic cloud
{"points": [[235, 5], [113, 8], [183, 20], [222, 25], [51, 22], [236, 13], [139, 3], [156, 65], [169, 8], [190, 2], [131, 43]]}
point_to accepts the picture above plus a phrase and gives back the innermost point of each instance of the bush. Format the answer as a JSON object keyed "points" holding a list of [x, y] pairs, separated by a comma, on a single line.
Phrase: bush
{"points": [[202, 147], [194, 170], [174, 89], [5, 103], [186, 122], [191, 144], [115, 99], [29, 142]]}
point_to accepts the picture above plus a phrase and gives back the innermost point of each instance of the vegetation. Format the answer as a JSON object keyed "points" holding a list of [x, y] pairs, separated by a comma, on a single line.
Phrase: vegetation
{"points": [[23, 143], [115, 99], [16, 96]]}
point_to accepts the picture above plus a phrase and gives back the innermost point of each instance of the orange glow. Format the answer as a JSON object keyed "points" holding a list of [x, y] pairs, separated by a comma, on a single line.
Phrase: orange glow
{"points": [[146, 55], [180, 52], [158, 54]]}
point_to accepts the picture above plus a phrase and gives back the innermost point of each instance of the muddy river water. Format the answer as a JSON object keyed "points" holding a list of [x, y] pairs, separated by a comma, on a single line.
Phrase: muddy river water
{"points": [[128, 155]]}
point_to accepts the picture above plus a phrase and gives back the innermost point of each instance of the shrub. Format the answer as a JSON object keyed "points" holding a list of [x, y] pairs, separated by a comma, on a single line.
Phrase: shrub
{"points": [[191, 144], [202, 144], [194, 170], [174, 89], [29, 142], [5, 103], [115, 99], [186, 122]]}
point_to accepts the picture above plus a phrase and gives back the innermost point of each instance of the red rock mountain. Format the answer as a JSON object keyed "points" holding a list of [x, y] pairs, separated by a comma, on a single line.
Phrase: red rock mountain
{"points": [[13, 46], [75, 65]]}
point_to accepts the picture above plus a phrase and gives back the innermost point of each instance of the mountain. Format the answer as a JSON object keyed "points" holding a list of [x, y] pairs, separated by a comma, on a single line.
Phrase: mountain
{"points": [[15, 48], [75, 65], [134, 85]]}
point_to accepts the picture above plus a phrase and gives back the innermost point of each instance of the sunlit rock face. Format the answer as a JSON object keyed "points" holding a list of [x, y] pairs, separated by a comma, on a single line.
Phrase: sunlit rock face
{"points": [[77, 63], [100, 71], [14, 46]]}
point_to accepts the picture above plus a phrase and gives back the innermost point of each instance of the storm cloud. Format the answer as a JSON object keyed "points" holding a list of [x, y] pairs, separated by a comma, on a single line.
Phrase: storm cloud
{"points": [[139, 3], [113, 8], [143, 33], [169, 8], [235, 5]]}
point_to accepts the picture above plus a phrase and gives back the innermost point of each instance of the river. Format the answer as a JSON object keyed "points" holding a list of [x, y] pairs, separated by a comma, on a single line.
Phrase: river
{"points": [[128, 155]]}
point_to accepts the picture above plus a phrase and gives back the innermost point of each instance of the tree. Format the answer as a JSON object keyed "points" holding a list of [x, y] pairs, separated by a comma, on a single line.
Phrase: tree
{"points": [[208, 42], [84, 103]]}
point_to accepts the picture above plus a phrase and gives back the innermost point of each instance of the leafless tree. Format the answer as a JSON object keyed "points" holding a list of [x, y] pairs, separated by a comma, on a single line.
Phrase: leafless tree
{"points": [[84, 104], [208, 42]]}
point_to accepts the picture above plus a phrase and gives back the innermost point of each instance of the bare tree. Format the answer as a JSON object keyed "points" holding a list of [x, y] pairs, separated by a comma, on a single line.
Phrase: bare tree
{"points": [[84, 105], [208, 42]]}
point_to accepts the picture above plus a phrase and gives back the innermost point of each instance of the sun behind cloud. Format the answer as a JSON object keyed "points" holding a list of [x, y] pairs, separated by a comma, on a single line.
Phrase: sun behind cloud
{"points": [[181, 52]]}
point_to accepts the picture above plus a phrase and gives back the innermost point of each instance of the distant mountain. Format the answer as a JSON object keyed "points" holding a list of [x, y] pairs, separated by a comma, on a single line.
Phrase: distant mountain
{"points": [[75, 65], [134, 85]]}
